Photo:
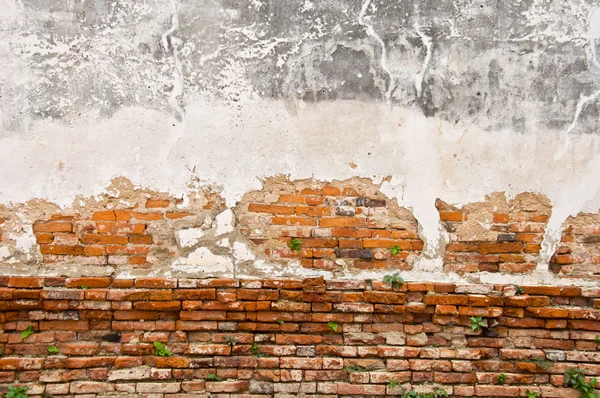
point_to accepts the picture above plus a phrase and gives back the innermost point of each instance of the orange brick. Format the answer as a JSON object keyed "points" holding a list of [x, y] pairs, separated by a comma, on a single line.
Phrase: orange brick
{"points": [[140, 239], [291, 199], [455, 216], [61, 250], [386, 243], [107, 215], [313, 211], [501, 218], [137, 260], [52, 226], [25, 282], [342, 222], [176, 215], [94, 251], [351, 233], [293, 221], [462, 247], [331, 191], [103, 239], [122, 215], [533, 248], [350, 244], [124, 250], [503, 247], [271, 209], [44, 238], [157, 203], [314, 200], [90, 282], [147, 216]]}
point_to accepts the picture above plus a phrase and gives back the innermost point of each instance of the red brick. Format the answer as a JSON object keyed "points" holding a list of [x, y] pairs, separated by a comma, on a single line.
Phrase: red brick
{"points": [[25, 282], [157, 203], [503, 247], [89, 282], [271, 209], [52, 226]]}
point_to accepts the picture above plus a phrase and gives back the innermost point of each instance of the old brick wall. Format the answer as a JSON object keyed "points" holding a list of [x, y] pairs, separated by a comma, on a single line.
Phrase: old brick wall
{"points": [[339, 225], [229, 293], [292, 337]]}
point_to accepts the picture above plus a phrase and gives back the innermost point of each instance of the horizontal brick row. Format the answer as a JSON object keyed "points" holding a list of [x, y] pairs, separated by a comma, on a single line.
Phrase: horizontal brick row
{"points": [[292, 337]]}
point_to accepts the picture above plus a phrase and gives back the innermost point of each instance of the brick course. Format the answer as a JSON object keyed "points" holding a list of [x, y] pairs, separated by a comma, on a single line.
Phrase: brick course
{"points": [[337, 225], [271, 337], [578, 253], [496, 235]]}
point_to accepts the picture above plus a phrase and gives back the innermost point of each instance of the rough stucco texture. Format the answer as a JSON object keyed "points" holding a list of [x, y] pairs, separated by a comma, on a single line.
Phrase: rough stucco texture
{"points": [[452, 117]]}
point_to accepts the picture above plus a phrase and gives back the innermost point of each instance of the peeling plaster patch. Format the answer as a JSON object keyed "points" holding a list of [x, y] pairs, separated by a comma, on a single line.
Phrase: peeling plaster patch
{"points": [[189, 237], [4, 252], [242, 253], [203, 260], [225, 222]]}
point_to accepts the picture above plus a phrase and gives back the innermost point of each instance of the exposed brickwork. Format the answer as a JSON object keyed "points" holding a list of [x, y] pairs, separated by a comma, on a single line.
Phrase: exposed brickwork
{"points": [[419, 335], [356, 225], [118, 232], [578, 253], [1, 222], [496, 235]]}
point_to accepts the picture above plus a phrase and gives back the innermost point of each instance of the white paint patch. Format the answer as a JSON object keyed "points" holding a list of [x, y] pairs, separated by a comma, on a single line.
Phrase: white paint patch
{"points": [[4, 253], [203, 260], [241, 252], [224, 222], [188, 237]]}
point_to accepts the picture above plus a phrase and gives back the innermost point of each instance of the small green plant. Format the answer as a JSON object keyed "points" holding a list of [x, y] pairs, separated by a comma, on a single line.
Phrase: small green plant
{"points": [[531, 394], [476, 323], [160, 350], [53, 350], [296, 244], [436, 393], [280, 321], [394, 280], [393, 383], [231, 341], [501, 378], [84, 287], [256, 351], [27, 332], [519, 290], [394, 250], [333, 326], [597, 339], [575, 378], [213, 377], [354, 368], [17, 392]]}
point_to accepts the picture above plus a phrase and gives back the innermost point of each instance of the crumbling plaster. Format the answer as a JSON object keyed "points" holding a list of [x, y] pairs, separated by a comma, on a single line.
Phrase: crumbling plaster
{"points": [[453, 100]]}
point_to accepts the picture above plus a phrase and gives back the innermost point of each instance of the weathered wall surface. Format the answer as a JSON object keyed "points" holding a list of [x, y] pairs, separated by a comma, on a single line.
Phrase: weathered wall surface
{"points": [[450, 118], [283, 338]]}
